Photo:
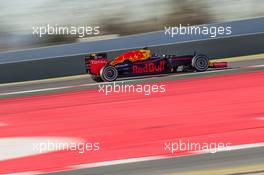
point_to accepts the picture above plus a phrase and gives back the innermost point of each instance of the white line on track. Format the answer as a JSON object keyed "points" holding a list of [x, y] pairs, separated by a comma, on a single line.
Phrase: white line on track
{"points": [[97, 84], [142, 159], [116, 162], [30, 146], [256, 66], [2, 124], [260, 118], [134, 160], [232, 148], [36, 90]]}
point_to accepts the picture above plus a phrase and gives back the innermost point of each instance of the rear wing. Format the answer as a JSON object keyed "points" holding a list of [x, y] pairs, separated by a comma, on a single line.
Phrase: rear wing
{"points": [[95, 56], [94, 61]]}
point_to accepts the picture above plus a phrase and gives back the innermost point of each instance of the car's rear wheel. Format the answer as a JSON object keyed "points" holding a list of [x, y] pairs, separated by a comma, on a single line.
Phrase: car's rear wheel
{"points": [[109, 73], [200, 63]]}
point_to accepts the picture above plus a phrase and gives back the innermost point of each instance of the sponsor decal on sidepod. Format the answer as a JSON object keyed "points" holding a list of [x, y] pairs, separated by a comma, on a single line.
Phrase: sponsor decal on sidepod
{"points": [[148, 67]]}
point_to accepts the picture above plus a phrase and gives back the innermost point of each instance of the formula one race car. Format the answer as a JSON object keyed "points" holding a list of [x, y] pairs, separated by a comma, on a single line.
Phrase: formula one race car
{"points": [[141, 62]]}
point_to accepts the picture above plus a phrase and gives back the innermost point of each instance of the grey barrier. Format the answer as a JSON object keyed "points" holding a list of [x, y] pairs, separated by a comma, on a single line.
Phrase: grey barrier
{"points": [[241, 27], [64, 60], [74, 65]]}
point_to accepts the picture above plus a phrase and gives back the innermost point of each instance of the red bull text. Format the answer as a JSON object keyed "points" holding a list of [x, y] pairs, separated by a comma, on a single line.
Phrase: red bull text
{"points": [[149, 67]]}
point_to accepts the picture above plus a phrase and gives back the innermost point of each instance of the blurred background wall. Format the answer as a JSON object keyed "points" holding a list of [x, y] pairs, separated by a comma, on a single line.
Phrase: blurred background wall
{"points": [[118, 17]]}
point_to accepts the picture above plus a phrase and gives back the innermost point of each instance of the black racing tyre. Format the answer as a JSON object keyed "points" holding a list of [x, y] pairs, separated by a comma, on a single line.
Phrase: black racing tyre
{"points": [[108, 73], [200, 63], [96, 78]]}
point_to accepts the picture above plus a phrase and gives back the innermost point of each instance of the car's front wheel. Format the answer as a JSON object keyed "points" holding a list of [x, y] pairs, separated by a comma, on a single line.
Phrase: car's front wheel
{"points": [[109, 73], [200, 63]]}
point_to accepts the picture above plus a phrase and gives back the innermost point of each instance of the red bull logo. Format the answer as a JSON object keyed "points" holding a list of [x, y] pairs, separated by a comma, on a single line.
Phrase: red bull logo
{"points": [[149, 67], [132, 56]]}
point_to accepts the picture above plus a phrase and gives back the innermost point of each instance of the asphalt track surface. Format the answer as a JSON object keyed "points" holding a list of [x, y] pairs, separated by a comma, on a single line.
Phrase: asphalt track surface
{"points": [[85, 79], [236, 116]]}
